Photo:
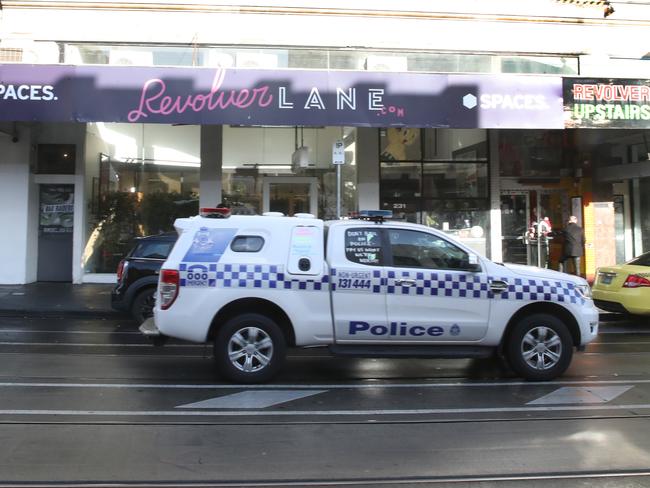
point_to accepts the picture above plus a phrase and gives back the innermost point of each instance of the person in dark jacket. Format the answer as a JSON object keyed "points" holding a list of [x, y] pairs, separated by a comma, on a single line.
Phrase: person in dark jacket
{"points": [[574, 244]]}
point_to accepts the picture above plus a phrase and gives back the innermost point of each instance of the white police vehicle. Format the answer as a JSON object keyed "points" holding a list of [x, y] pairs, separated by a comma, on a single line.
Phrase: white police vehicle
{"points": [[254, 285]]}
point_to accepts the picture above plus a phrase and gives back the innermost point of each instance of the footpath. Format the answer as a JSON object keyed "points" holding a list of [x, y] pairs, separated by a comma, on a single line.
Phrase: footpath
{"points": [[57, 299]]}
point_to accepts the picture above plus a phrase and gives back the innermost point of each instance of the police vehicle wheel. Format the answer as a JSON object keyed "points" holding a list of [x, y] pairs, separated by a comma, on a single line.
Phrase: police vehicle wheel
{"points": [[540, 347], [142, 307], [249, 348]]}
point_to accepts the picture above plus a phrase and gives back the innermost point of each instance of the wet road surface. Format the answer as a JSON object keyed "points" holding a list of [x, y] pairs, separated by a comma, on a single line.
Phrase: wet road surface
{"points": [[91, 402]]}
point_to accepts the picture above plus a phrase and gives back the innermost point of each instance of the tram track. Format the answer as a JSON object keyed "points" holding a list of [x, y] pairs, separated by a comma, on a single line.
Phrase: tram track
{"points": [[330, 422], [594, 478], [212, 451]]}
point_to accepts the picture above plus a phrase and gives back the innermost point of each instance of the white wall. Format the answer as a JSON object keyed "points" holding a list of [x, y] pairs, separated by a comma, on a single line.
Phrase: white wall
{"points": [[538, 26], [17, 244]]}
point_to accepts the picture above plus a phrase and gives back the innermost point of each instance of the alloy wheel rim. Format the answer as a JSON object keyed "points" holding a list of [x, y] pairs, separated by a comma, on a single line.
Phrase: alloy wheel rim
{"points": [[147, 306], [250, 349], [541, 348]]}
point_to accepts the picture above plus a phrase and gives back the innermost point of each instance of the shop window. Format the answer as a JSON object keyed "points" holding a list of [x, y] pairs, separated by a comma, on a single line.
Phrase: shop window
{"points": [[546, 65], [533, 154], [141, 179], [308, 58], [455, 145], [401, 180], [447, 189], [454, 180], [450, 63], [251, 155], [56, 159], [400, 144]]}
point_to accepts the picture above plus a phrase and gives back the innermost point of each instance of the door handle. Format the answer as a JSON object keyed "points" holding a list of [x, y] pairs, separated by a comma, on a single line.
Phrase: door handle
{"points": [[498, 286], [405, 282]]}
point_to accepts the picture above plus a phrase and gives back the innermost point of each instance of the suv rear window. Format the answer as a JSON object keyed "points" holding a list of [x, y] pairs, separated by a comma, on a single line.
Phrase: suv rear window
{"points": [[152, 250]]}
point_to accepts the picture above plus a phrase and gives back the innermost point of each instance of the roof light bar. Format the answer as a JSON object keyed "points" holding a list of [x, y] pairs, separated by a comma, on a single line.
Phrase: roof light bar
{"points": [[375, 215], [214, 212]]}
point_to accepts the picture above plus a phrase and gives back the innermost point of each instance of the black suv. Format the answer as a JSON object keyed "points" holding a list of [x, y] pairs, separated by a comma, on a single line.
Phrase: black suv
{"points": [[137, 275]]}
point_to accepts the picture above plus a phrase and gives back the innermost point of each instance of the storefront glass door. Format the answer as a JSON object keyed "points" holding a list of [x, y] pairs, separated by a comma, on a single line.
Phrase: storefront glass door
{"points": [[56, 216], [514, 224], [527, 220], [290, 195]]}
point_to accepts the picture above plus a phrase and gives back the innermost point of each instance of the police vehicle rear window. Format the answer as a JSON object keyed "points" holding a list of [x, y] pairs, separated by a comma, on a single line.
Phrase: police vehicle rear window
{"points": [[363, 246], [247, 244]]}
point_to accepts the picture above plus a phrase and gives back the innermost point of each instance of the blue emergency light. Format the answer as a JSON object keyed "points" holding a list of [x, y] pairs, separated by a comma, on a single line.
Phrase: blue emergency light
{"points": [[375, 215]]}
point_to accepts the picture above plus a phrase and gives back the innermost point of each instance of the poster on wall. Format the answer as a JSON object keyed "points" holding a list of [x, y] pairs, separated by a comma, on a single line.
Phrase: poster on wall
{"points": [[56, 209], [606, 103]]}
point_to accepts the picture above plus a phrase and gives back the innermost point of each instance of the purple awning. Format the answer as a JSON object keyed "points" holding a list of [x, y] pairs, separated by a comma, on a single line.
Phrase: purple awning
{"points": [[277, 97]]}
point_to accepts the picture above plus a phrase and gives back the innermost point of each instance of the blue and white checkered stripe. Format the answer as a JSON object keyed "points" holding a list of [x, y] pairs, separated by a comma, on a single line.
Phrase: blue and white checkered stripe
{"points": [[426, 284], [467, 285], [260, 276], [540, 290], [455, 285]]}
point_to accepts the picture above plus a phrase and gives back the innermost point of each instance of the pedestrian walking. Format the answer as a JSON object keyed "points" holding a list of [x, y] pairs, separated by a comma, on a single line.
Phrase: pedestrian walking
{"points": [[574, 244]]}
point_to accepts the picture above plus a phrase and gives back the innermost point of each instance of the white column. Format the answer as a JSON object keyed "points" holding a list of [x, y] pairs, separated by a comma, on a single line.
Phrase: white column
{"points": [[211, 161], [638, 224], [496, 249], [15, 247], [368, 167]]}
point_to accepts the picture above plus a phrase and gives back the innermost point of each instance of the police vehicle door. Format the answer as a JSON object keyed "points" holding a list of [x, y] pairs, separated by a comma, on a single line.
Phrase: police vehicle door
{"points": [[435, 290], [358, 299]]}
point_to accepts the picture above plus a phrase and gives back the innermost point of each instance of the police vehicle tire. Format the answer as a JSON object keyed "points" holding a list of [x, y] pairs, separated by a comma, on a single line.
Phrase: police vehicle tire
{"points": [[540, 347], [143, 303], [249, 348]]}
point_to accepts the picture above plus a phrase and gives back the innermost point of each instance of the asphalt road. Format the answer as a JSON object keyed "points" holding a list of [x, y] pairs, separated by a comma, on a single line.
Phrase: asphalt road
{"points": [[91, 402]]}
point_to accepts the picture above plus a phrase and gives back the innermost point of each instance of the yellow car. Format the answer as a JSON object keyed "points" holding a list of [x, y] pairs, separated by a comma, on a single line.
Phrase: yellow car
{"points": [[624, 288]]}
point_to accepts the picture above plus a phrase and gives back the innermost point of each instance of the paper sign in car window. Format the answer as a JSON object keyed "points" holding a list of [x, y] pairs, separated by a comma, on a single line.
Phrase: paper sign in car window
{"points": [[208, 245], [363, 246], [306, 243]]}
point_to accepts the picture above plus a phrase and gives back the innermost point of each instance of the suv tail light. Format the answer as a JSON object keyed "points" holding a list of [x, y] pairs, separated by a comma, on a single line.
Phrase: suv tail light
{"points": [[636, 281], [120, 270], [168, 288]]}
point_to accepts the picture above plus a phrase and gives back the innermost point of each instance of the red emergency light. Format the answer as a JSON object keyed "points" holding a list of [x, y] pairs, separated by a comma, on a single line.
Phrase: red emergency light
{"points": [[214, 212]]}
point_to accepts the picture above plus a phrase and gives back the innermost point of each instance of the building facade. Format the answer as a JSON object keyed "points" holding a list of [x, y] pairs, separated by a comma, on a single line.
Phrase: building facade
{"points": [[118, 118]]}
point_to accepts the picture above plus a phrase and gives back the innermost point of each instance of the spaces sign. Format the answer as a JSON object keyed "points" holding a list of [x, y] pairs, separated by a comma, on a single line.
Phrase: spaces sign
{"points": [[606, 103], [57, 93]]}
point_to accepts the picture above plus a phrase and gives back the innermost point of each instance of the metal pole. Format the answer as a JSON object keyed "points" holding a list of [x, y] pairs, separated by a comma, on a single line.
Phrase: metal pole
{"points": [[338, 191], [539, 243], [338, 182]]}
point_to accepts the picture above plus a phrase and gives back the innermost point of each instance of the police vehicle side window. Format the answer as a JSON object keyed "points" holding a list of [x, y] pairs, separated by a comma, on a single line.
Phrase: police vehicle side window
{"points": [[413, 249], [363, 246], [247, 244]]}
